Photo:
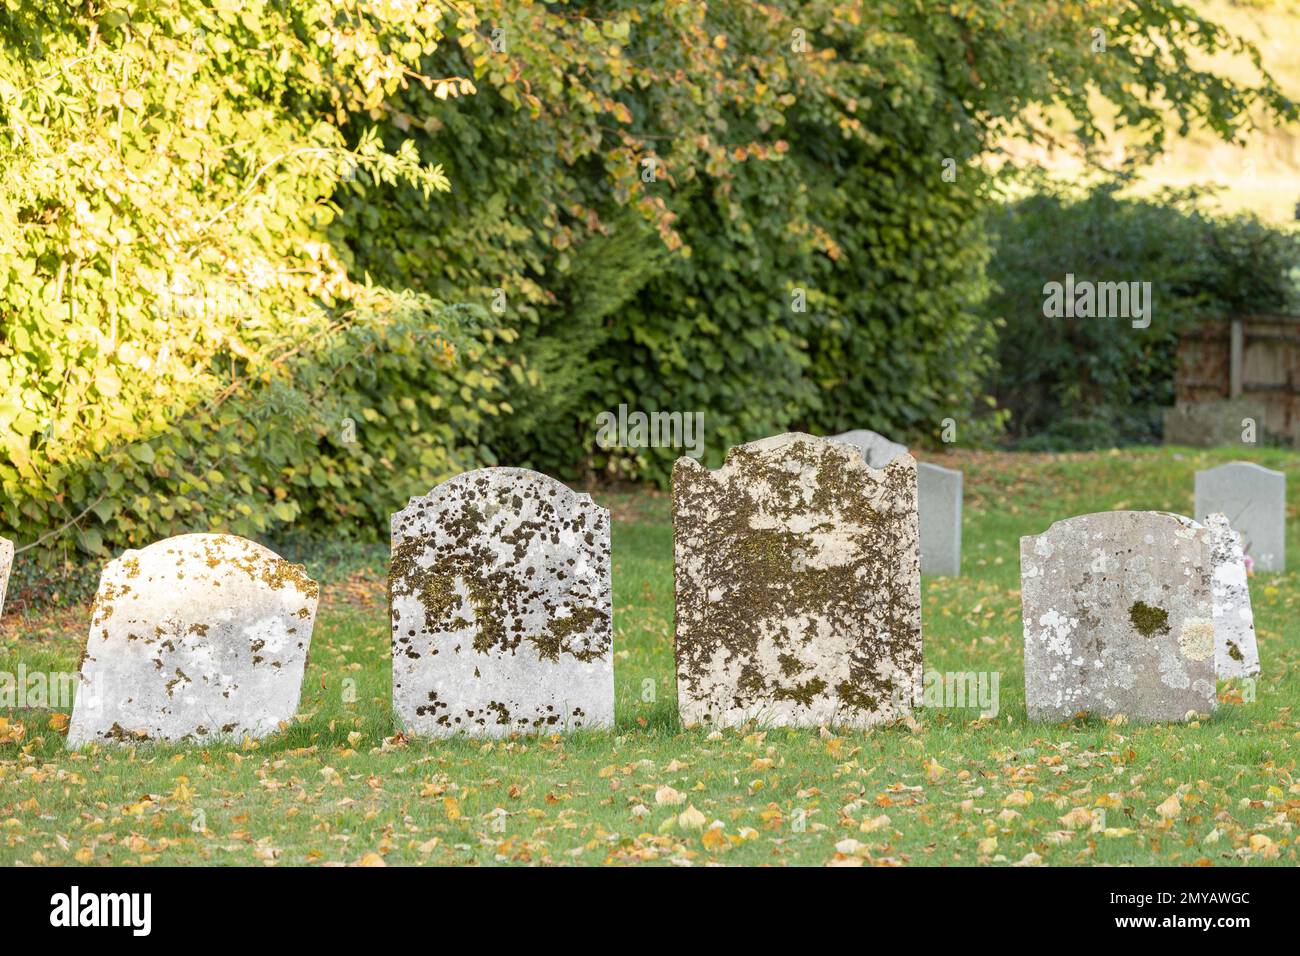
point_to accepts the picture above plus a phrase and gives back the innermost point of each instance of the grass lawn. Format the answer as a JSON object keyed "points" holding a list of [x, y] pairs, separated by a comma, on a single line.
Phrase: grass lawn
{"points": [[948, 787]]}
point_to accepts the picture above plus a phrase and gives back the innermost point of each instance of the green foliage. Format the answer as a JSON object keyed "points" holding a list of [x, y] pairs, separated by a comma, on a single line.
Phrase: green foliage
{"points": [[1088, 382], [227, 228], [179, 339], [799, 150]]}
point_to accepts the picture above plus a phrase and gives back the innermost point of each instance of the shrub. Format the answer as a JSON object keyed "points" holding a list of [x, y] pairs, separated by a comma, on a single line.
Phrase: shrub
{"points": [[179, 338], [1090, 382], [227, 228], [800, 151]]}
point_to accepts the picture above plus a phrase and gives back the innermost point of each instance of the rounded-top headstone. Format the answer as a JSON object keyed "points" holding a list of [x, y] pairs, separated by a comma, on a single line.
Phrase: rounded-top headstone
{"points": [[501, 616], [200, 636], [876, 448]]}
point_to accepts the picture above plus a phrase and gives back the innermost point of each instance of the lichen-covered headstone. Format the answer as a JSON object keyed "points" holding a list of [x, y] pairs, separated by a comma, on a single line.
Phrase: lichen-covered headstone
{"points": [[1235, 650], [939, 498], [201, 637], [1118, 617], [500, 591], [797, 586], [6, 564], [1254, 500], [876, 448]]}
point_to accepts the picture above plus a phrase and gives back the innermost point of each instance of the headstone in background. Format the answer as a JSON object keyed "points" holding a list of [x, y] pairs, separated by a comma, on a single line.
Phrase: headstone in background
{"points": [[940, 511], [500, 591], [6, 565], [797, 586], [877, 449], [1235, 650], [201, 636], [939, 501], [1118, 617], [1210, 424], [1254, 500]]}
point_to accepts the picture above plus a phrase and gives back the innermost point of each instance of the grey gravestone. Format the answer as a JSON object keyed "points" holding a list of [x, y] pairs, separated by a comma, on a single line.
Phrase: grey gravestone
{"points": [[201, 636], [500, 591], [1118, 617], [1254, 501], [6, 564], [797, 586], [1235, 651], [877, 449], [939, 501], [940, 508]]}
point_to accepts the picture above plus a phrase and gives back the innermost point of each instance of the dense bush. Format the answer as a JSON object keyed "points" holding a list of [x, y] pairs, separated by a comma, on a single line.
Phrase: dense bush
{"points": [[179, 342], [1089, 382], [801, 149], [227, 230]]}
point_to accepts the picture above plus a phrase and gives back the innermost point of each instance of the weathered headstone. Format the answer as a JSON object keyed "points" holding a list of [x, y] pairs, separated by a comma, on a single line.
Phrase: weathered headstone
{"points": [[201, 636], [940, 510], [939, 500], [877, 449], [6, 564], [1235, 651], [500, 591], [1118, 617], [798, 586], [1254, 500]]}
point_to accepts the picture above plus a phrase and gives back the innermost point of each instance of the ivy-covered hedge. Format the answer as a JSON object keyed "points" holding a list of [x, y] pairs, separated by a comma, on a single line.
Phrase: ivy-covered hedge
{"points": [[236, 236], [821, 152]]}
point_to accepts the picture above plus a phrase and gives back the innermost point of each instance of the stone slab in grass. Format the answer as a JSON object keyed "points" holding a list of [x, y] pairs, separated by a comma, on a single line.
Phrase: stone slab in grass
{"points": [[1210, 424], [1118, 617], [501, 616], [940, 500], [1254, 500], [1236, 653], [797, 586], [6, 565], [197, 637]]}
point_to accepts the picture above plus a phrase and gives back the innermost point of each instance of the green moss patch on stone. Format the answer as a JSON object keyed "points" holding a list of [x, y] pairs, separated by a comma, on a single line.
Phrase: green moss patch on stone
{"points": [[1149, 620]]}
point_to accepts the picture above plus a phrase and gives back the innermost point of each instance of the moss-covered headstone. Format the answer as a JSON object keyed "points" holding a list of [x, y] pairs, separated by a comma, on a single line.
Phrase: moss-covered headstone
{"points": [[798, 586], [500, 593], [199, 637], [1118, 617]]}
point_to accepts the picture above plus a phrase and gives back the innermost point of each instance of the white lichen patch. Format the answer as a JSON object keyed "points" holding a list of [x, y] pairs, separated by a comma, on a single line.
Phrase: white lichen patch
{"points": [[1107, 599], [201, 636], [1196, 640]]}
